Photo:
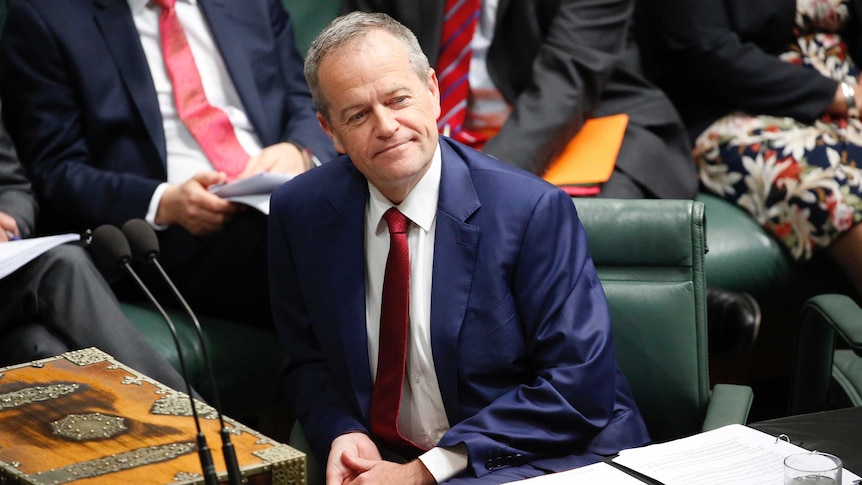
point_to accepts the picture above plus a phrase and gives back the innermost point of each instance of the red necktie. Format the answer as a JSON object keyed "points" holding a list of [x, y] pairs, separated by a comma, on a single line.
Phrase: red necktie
{"points": [[209, 125], [394, 318], [453, 66]]}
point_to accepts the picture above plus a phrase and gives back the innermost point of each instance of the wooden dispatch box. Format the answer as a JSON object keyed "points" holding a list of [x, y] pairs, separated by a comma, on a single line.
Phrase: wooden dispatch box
{"points": [[84, 418]]}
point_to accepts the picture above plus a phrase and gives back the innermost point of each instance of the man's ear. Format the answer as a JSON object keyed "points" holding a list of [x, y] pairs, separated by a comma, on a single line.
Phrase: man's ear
{"points": [[434, 88], [324, 124]]}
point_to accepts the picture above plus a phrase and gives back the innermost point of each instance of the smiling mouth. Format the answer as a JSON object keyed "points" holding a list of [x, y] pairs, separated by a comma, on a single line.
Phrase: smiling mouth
{"points": [[392, 147]]}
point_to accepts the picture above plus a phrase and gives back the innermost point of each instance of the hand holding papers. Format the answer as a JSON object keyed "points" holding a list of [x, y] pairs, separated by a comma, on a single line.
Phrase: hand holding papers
{"points": [[14, 254], [253, 191]]}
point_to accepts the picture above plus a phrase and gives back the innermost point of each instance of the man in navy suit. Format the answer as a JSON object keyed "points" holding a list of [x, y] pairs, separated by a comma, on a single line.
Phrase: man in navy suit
{"points": [[90, 105], [510, 366]]}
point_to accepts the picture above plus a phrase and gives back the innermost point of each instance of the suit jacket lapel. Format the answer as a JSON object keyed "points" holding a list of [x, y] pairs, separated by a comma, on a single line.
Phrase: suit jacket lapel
{"points": [[455, 250], [343, 258], [233, 29], [120, 34]]}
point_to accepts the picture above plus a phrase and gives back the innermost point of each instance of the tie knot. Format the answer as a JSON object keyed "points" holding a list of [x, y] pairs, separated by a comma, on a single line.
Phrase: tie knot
{"points": [[396, 221], [165, 4]]}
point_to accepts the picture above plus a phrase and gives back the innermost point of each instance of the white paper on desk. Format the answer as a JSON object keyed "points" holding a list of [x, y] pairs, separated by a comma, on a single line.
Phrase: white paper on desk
{"points": [[253, 191], [731, 455], [14, 254], [597, 473]]}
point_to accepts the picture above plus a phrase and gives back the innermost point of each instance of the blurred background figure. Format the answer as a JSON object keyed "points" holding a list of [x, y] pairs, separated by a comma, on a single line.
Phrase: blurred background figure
{"points": [[128, 109], [59, 302], [770, 93], [537, 72]]}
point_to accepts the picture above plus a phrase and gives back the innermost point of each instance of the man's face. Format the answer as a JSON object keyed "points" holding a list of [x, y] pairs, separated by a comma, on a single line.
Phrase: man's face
{"points": [[380, 112]]}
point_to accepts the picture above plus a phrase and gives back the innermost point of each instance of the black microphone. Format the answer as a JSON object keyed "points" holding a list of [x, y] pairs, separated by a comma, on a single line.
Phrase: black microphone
{"points": [[112, 249], [145, 247]]}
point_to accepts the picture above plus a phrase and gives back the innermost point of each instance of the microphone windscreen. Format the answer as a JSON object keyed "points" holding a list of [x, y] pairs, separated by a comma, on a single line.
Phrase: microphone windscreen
{"points": [[142, 239], [110, 246]]}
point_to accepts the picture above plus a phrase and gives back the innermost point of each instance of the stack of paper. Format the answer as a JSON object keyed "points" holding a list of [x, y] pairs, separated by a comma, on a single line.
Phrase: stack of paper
{"points": [[732, 455], [14, 254], [253, 191]]}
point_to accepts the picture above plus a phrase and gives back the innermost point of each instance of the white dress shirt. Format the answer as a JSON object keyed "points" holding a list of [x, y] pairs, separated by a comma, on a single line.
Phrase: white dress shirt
{"points": [[423, 417], [185, 157]]}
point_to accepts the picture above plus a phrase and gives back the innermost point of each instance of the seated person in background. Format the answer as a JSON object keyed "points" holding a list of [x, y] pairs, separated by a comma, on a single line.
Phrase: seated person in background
{"points": [[482, 343], [59, 301], [537, 72], [112, 128], [770, 92]]}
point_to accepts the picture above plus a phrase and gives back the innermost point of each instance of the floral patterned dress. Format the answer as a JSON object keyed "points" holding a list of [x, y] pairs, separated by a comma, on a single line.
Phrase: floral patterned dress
{"points": [[800, 181]]}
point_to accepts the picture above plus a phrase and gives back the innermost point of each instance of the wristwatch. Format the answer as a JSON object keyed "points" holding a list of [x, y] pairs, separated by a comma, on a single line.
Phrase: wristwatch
{"points": [[850, 98]]}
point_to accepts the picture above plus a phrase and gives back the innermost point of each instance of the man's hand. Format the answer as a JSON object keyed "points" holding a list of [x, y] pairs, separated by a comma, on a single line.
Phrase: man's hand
{"points": [[387, 472], [7, 224], [193, 207], [354, 444], [278, 158]]}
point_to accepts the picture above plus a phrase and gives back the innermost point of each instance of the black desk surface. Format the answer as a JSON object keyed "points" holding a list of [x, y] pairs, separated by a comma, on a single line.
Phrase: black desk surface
{"points": [[838, 432]]}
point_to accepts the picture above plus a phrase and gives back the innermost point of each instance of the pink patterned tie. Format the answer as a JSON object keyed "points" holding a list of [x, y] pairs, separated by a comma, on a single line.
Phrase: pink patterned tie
{"points": [[209, 125], [453, 66], [394, 324]]}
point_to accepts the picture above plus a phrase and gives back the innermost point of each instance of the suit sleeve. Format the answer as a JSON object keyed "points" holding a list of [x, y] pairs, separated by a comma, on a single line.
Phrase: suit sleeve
{"points": [[16, 197], [572, 394], [584, 43], [43, 109], [302, 127], [734, 71]]}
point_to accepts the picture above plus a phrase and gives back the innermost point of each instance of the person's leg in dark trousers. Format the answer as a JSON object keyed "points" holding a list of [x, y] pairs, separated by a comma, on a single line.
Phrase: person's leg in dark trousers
{"points": [[63, 292]]}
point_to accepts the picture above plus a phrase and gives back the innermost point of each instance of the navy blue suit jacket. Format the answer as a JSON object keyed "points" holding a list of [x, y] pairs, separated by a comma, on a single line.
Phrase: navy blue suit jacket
{"points": [[80, 104], [520, 329]]}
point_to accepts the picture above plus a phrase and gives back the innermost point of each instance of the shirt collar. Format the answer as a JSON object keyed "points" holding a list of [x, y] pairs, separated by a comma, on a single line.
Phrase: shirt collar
{"points": [[137, 6], [420, 205]]}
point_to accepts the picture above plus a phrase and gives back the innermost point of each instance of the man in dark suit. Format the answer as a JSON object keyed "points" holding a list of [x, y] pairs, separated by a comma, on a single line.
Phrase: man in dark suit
{"points": [[555, 64], [59, 301], [507, 366], [90, 100]]}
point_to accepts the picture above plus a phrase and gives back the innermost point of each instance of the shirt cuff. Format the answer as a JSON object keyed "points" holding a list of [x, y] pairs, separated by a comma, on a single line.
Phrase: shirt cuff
{"points": [[154, 207], [445, 463]]}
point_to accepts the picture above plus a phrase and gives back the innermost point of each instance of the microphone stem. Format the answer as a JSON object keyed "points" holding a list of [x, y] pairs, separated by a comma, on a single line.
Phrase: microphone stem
{"points": [[234, 474], [207, 465], [173, 335]]}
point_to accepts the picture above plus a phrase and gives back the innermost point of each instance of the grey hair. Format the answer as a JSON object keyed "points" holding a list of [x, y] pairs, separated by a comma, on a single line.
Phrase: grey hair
{"points": [[350, 29]]}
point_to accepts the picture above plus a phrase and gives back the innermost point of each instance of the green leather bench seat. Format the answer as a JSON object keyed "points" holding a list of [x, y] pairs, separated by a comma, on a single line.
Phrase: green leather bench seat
{"points": [[740, 255], [246, 360]]}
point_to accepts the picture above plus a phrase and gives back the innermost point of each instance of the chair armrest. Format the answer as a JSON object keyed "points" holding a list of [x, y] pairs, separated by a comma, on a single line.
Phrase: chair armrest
{"points": [[728, 404], [821, 318], [843, 314]]}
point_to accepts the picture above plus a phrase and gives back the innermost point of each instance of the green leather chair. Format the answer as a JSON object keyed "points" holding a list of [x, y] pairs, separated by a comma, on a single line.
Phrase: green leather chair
{"points": [[828, 367], [744, 257], [649, 255]]}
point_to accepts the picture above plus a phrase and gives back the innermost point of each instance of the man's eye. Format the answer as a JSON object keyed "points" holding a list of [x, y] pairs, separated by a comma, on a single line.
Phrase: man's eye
{"points": [[357, 117]]}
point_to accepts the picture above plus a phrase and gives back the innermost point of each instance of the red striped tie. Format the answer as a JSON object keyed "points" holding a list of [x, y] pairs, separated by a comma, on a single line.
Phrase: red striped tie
{"points": [[209, 125], [394, 324], [453, 65]]}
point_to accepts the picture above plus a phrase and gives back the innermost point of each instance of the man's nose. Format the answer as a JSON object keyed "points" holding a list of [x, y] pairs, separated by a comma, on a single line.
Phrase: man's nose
{"points": [[387, 123]]}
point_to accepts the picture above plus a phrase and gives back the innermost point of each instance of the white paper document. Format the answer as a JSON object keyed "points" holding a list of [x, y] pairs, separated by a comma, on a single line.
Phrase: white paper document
{"points": [[597, 473], [731, 455], [14, 254], [253, 191]]}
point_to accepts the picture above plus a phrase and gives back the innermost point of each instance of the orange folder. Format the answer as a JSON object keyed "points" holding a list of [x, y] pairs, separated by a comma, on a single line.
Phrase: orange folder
{"points": [[590, 156]]}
